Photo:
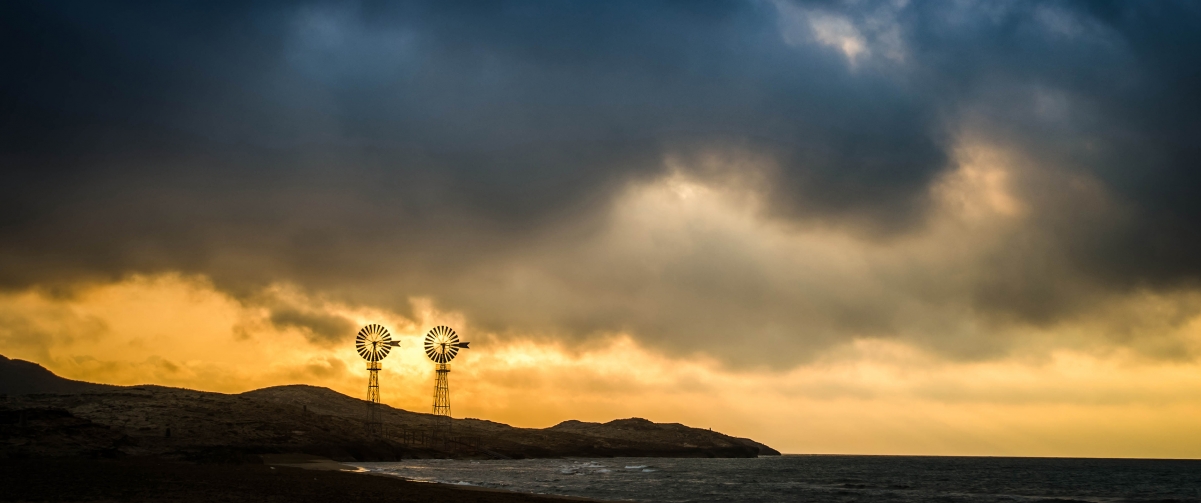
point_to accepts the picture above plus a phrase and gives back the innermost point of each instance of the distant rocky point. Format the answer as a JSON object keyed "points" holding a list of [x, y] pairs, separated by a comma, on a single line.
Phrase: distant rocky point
{"points": [[42, 414]]}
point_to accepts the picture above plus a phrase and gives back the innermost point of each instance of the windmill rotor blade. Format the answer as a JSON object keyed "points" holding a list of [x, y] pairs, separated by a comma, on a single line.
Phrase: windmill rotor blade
{"points": [[440, 344], [373, 342]]}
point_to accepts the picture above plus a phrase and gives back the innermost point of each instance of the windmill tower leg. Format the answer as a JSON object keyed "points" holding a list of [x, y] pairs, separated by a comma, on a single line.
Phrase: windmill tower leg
{"points": [[375, 425], [442, 420]]}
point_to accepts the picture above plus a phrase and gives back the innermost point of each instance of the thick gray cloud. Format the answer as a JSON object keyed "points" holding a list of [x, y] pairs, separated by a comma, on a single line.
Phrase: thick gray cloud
{"points": [[376, 151], [319, 327]]}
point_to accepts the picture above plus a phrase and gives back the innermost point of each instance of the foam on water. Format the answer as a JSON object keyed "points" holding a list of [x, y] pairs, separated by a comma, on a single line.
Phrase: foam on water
{"points": [[823, 478]]}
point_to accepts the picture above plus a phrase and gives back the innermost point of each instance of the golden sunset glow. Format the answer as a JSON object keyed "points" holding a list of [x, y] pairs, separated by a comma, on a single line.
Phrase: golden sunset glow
{"points": [[869, 397]]}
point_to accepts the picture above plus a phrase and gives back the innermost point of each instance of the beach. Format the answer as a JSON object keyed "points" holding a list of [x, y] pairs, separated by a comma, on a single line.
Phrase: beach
{"points": [[153, 479]]}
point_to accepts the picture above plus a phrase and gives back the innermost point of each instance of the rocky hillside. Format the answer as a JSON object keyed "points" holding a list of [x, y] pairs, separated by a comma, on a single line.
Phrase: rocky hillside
{"points": [[43, 414]]}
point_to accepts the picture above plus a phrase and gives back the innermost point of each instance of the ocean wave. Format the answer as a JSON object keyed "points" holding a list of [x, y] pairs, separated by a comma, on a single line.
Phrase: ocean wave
{"points": [[820, 478]]}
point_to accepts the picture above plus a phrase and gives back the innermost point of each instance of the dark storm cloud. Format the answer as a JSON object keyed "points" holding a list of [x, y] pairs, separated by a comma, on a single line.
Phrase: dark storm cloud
{"points": [[319, 327], [336, 144], [513, 112], [1108, 88]]}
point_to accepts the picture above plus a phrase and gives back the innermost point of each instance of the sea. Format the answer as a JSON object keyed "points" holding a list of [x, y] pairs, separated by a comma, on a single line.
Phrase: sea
{"points": [[822, 478]]}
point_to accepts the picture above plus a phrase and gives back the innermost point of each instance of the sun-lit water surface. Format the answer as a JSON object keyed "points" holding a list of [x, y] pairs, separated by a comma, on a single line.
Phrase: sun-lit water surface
{"points": [[823, 478]]}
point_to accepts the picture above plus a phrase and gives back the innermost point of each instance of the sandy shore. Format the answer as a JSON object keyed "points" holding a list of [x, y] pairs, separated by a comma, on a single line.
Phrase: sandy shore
{"points": [[289, 480]]}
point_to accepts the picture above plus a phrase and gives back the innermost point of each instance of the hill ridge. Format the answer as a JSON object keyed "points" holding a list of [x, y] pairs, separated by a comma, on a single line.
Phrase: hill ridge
{"points": [[151, 419]]}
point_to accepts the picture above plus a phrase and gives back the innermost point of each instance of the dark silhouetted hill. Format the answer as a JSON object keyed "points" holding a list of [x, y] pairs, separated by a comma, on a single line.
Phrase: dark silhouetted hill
{"points": [[637, 428], [43, 414], [19, 377]]}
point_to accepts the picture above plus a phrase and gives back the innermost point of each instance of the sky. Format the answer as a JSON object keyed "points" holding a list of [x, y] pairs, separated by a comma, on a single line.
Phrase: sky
{"points": [[944, 227]]}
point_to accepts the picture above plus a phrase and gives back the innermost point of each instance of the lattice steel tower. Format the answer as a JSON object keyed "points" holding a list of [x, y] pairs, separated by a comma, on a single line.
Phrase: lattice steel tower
{"points": [[442, 391], [374, 423], [373, 344], [441, 346]]}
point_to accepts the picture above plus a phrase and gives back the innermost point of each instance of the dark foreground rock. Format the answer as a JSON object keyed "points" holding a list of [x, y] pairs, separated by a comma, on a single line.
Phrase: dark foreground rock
{"points": [[112, 421], [157, 480]]}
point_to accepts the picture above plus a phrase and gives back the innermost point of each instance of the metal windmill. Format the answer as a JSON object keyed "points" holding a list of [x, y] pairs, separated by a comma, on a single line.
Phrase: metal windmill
{"points": [[373, 344], [441, 346]]}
